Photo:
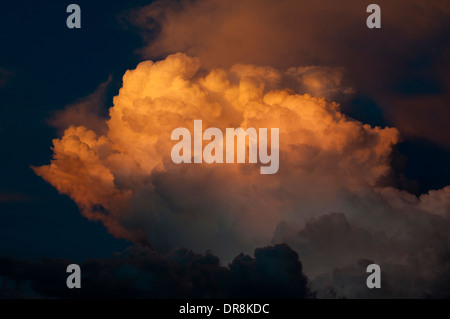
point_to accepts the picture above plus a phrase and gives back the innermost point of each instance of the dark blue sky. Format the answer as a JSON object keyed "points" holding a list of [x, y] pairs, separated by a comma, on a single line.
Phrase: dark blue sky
{"points": [[50, 66]]}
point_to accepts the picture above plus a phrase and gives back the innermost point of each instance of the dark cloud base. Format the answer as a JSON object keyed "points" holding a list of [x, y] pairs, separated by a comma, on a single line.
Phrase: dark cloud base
{"points": [[140, 272]]}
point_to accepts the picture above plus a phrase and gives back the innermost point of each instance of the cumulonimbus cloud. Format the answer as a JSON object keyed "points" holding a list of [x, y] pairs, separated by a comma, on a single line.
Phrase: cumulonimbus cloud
{"points": [[403, 66], [329, 162], [126, 179]]}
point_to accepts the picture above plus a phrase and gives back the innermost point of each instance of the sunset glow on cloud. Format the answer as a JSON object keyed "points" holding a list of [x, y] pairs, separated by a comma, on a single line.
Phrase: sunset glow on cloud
{"points": [[328, 163], [127, 172], [127, 124]]}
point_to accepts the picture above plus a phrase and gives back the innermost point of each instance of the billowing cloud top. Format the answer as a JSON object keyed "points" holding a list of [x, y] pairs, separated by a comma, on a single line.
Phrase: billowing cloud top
{"points": [[403, 66], [328, 162]]}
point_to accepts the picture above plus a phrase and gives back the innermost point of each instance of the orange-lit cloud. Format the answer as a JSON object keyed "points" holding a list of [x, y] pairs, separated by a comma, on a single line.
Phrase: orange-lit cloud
{"points": [[264, 64], [283, 34], [411, 46], [126, 179]]}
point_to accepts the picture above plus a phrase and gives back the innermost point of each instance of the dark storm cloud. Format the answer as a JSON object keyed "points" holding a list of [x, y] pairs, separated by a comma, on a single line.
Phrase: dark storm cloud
{"points": [[406, 235], [411, 248], [274, 272]]}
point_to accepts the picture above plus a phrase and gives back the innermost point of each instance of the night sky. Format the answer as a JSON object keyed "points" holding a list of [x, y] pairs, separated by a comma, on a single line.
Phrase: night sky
{"points": [[47, 64]]}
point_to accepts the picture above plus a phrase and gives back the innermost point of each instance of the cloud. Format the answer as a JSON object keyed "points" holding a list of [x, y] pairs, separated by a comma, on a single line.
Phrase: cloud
{"points": [[407, 236], [328, 163], [140, 272], [402, 67], [283, 35], [320, 81], [86, 111], [265, 64], [127, 180]]}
